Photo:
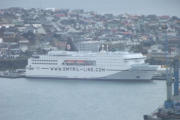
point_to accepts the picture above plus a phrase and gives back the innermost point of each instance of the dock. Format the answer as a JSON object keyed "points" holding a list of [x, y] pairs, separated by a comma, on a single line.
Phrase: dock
{"points": [[11, 74], [171, 108]]}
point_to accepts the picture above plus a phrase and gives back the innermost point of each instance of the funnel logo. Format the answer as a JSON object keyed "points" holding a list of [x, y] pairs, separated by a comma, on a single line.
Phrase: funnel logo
{"points": [[68, 47]]}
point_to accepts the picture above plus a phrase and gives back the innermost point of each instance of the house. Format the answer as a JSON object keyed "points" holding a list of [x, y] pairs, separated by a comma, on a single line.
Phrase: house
{"points": [[9, 36], [23, 45]]}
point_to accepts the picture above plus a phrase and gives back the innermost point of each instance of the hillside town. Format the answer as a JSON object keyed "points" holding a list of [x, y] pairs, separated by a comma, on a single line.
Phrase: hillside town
{"points": [[24, 32]]}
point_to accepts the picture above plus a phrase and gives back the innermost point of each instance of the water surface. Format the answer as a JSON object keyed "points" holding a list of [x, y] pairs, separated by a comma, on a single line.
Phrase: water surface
{"points": [[38, 99]]}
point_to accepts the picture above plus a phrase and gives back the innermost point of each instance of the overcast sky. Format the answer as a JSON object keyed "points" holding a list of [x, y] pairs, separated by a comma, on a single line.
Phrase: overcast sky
{"points": [[159, 7]]}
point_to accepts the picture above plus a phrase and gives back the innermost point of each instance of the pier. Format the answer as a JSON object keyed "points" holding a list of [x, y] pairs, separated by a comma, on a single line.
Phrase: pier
{"points": [[19, 73]]}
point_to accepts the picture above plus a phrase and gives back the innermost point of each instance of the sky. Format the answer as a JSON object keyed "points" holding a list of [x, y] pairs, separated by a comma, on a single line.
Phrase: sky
{"points": [[139, 7]]}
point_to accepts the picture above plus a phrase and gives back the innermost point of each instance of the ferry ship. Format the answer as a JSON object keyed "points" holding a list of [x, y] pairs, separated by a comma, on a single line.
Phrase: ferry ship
{"points": [[101, 65]]}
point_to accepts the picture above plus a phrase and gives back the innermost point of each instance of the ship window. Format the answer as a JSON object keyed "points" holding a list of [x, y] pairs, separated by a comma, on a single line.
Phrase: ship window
{"points": [[137, 60], [44, 63], [44, 68], [126, 61]]}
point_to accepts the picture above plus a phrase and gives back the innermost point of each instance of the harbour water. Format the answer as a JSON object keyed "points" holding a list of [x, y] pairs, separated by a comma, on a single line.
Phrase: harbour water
{"points": [[46, 99]]}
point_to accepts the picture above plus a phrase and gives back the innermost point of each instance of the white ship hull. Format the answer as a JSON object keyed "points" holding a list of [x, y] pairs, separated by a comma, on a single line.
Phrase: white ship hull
{"points": [[125, 75]]}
